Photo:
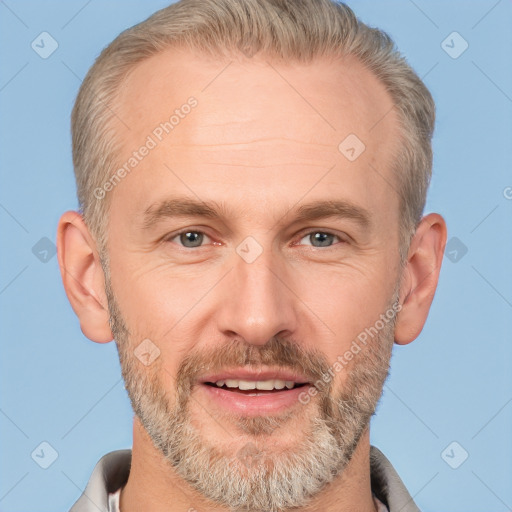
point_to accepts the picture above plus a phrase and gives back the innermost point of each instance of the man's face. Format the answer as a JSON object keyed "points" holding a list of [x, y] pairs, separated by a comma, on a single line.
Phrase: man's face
{"points": [[258, 287]]}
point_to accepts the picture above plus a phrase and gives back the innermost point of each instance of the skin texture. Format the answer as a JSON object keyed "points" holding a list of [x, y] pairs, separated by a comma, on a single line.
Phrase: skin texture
{"points": [[261, 142]]}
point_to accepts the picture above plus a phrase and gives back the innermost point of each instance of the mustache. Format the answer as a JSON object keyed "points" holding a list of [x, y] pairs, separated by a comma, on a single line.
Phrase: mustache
{"points": [[277, 353]]}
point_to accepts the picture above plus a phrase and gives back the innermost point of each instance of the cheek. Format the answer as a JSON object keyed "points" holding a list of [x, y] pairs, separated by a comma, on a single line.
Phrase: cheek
{"points": [[344, 301], [154, 300], [154, 311]]}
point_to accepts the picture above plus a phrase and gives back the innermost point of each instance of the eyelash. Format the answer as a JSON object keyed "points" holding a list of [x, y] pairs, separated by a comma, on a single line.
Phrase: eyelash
{"points": [[303, 235]]}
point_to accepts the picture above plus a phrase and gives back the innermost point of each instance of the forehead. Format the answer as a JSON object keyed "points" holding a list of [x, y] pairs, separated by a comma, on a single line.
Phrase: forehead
{"points": [[254, 117], [332, 94]]}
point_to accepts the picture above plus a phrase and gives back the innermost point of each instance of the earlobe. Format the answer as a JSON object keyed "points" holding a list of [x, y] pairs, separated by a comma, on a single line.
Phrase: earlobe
{"points": [[82, 276], [420, 277]]}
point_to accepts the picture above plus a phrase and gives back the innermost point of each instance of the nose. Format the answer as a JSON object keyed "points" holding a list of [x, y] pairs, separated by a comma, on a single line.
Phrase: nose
{"points": [[257, 301]]}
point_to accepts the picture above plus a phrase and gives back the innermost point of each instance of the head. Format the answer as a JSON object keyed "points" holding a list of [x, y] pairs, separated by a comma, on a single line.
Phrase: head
{"points": [[252, 177]]}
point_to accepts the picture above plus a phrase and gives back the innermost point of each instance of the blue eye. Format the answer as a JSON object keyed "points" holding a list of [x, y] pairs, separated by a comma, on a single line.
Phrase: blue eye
{"points": [[190, 239], [320, 238]]}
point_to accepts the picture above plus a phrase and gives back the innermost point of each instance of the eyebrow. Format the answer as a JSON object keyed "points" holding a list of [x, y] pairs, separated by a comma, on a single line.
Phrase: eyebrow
{"points": [[186, 207], [340, 209]]}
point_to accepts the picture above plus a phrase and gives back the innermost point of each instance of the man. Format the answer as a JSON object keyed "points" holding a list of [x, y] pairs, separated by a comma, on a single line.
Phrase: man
{"points": [[252, 177]]}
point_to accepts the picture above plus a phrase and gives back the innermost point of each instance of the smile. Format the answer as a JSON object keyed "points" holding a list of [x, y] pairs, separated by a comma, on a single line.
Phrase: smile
{"points": [[252, 393], [271, 385]]}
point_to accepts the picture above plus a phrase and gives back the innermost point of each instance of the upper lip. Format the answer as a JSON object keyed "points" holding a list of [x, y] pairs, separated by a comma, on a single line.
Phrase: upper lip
{"points": [[255, 375]]}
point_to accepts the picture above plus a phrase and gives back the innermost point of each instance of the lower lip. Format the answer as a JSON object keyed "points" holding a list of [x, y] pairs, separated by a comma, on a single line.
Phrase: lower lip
{"points": [[267, 403]]}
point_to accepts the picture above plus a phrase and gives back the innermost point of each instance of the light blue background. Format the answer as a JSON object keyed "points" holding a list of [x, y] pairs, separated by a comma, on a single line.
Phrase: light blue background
{"points": [[452, 384]]}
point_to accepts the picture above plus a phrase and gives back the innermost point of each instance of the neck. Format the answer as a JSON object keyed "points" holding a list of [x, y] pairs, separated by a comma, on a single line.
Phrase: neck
{"points": [[153, 484]]}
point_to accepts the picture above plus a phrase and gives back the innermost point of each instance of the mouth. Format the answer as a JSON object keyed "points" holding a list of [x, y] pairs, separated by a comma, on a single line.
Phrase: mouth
{"points": [[254, 393], [255, 388]]}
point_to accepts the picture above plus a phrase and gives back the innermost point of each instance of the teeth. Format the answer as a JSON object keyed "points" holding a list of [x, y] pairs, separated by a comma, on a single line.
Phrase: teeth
{"points": [[266, 385], [245, 384], [280, 384]]}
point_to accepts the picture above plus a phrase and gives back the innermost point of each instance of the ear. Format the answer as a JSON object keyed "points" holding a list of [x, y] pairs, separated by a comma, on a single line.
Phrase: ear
{"points": [[420, 277], [83, 277]]}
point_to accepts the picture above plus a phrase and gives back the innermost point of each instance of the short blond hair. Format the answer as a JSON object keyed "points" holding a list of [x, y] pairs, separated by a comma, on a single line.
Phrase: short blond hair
{"points": [[289, 30]]}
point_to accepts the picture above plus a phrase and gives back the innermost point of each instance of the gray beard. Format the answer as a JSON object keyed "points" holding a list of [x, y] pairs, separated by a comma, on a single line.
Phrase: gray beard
{"points": [[256, 478]]}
